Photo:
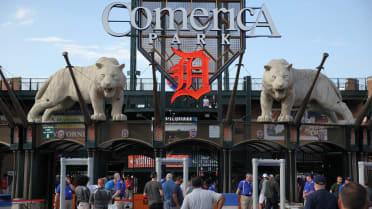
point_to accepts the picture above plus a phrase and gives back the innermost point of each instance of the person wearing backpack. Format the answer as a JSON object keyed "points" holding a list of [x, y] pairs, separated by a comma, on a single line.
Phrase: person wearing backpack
{"points": [[82, 192], [101, 197]]}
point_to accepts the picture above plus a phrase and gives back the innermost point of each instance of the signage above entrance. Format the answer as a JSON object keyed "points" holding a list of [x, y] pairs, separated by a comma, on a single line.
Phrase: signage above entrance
{"points": [[155, 19], [217, 28]]}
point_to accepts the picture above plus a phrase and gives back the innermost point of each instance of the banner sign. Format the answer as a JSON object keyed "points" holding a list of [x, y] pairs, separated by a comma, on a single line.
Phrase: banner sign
{"points": [[142, 161], [307, 132], [63, 131]]}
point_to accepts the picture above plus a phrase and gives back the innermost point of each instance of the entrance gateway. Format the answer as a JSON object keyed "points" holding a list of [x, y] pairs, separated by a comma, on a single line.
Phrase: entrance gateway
{"points": [[73, 161], [163, 161], [268, 162], [361, 167]]}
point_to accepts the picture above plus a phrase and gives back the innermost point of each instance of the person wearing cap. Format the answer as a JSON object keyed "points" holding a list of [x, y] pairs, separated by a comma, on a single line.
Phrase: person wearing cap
{"points": [[347, 181], [245, 189], [154, 192], [309, 187], [321, 198], [336, 186], [262, 197]]}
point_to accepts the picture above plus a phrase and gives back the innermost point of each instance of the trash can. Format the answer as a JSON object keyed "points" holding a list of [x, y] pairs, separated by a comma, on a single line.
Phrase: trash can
{"points": [[5, 201], [231, 201]]}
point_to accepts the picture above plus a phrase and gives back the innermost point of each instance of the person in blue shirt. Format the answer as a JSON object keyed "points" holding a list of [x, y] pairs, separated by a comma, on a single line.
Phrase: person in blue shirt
{"points": [[177, 195], [321, 198], [212, 187], [309, 187], [347, 181], [68, 194], [119, 191], [167, 189], [245, 189], [110, 185]]}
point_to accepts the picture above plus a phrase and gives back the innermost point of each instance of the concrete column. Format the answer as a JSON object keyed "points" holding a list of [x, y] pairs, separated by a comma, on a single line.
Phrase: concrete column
{"points": [[361, 173], [282, 182], [224, 171], [229, 173], [255, 185], [91, 169], [158, 168], [30, 176], [185, 172], [354, 168], [349, 159], [15, 174], [293, 193], [25, 174], [369, 85], [19, 175], [63, 184], [248, 103], [221, 169]]}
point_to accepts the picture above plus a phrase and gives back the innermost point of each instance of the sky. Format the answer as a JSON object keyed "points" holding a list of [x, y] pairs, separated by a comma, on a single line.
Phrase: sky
{"points": [[33, 35]]}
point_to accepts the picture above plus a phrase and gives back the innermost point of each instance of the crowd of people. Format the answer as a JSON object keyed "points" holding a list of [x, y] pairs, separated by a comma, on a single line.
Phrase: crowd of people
{"points": [[169, 194], [108, 191], [268, 191], [347, 195]]}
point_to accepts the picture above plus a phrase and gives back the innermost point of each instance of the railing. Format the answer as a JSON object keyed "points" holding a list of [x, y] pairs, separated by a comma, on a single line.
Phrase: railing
{"points": [[355, 84], [145, 84]]}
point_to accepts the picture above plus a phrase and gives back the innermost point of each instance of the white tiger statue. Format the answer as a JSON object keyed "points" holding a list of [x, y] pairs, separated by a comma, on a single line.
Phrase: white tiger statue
{"points": [[289, 86], [104, 79]]}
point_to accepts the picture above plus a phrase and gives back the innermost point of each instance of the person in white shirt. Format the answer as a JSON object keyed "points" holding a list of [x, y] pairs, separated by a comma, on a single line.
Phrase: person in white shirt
{"points": [[200, 198], [262, 198], [205, 102]]}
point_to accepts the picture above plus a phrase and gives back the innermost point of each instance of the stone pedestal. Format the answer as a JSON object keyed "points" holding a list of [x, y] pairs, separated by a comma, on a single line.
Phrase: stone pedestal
{"points": [[369, 85]]}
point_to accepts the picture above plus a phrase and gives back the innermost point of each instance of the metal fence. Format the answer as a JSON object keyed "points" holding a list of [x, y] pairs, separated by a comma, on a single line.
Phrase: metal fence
{"points": [[354, 84], [145, 84]]}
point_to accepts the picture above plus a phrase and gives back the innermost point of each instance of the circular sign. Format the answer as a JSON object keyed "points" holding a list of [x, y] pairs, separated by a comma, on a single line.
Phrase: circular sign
{"points": [[61, 134]]}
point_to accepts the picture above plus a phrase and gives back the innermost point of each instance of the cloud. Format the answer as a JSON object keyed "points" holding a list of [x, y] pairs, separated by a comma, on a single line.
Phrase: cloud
{"points": [[94, 52], [24, 16], [27, 22], [23, 13], [49, 39], [5, 24], [120, 50]]}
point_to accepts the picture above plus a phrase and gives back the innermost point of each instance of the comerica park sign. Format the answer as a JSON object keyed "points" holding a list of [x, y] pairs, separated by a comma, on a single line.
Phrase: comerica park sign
{"points": [[193, 41], [236, 21]]}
